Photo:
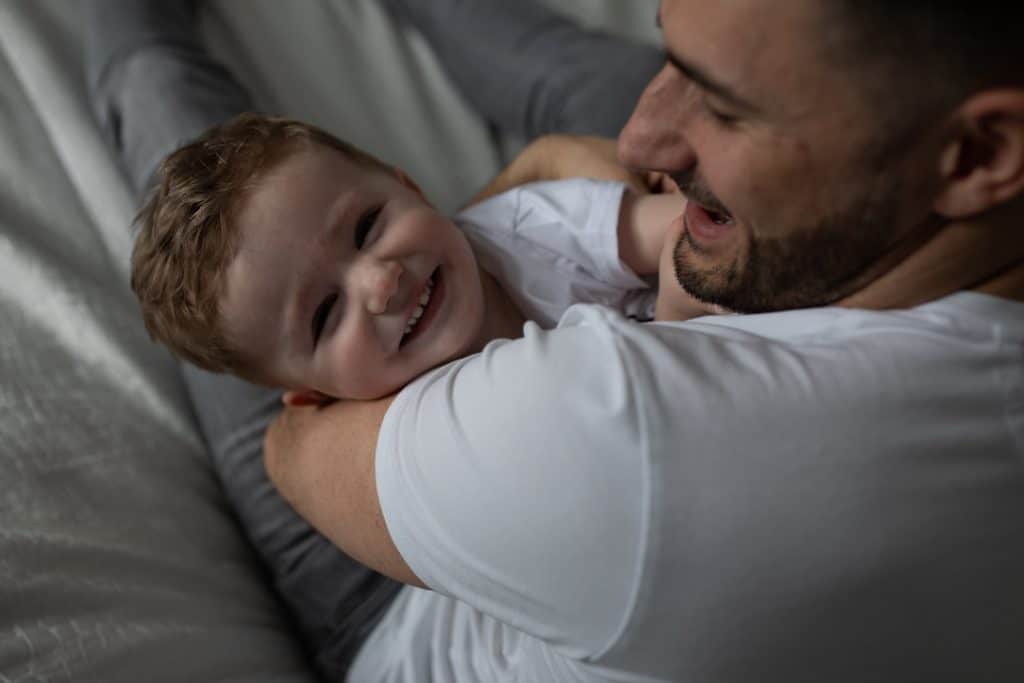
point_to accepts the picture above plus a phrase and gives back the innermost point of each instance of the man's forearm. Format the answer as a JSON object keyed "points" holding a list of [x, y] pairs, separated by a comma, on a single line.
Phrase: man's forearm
{"points": [[554, 157], [530, 165], [322, 462]]}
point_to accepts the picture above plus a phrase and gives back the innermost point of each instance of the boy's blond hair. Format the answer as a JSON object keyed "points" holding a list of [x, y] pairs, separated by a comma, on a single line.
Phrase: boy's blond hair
{"points": [[188, 235]]}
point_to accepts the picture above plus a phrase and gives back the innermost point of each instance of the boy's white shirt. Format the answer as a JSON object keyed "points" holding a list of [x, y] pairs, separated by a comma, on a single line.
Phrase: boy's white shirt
{"points": [[553, 244]]}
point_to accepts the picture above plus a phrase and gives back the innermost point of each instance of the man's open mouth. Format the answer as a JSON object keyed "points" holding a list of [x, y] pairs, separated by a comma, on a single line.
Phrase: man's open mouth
{"points": [[717, 217]]}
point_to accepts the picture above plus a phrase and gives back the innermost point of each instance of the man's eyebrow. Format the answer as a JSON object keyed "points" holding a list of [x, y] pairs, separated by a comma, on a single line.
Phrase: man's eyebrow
{"points": [[705, 81], [701, 78]]}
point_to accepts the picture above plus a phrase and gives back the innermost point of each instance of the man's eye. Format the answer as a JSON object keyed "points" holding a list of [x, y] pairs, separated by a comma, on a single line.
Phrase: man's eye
{"points": [[365, 225], [320, 316], [723, 118], [719, 116]]}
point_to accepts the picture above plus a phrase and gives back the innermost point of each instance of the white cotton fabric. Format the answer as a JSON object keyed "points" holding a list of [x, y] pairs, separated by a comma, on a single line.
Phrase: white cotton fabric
{"points": [[554, 244], [613, 501]]}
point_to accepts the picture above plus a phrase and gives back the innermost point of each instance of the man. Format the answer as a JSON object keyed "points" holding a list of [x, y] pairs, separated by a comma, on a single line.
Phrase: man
{"points": [[823, 494]]}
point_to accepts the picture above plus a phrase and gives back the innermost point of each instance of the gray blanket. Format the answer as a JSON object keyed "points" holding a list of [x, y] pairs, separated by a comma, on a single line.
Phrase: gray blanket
{"points": [[120, 559]]}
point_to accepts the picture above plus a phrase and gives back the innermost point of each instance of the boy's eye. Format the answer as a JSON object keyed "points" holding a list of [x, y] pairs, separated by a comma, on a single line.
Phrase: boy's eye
{"points": [[365, 225], [320, 316]]}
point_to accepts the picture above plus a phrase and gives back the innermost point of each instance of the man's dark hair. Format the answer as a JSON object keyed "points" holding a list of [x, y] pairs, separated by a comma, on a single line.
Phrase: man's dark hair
{"points": [[937, 51]]}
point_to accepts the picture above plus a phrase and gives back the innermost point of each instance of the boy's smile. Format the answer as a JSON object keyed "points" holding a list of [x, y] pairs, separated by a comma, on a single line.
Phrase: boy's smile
{"points": [[424, 307], [346, 281]]}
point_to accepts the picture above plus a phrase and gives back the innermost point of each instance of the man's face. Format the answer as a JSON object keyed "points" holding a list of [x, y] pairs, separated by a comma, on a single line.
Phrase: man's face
{"points": [[347, 281], [798, 191]]}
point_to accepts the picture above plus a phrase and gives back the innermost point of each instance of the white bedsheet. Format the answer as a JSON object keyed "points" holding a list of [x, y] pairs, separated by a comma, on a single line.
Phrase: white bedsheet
{"points": [[119, 558]]}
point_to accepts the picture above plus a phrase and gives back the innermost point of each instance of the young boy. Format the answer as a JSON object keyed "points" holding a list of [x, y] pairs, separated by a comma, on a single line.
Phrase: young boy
{"points": [[274, 251]]}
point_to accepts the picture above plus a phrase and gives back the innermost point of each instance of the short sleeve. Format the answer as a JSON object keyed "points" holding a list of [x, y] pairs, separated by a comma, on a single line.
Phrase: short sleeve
{"points": [[502, 494], [655, 499]]}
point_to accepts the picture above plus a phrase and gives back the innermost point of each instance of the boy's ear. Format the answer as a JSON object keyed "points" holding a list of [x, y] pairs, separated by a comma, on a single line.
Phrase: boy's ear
{"points": [[305, 397], [982, 165], [409, 182]]}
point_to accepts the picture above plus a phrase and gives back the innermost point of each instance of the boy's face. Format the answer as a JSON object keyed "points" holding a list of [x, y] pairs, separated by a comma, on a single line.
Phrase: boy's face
{"points": [[347, 281]]}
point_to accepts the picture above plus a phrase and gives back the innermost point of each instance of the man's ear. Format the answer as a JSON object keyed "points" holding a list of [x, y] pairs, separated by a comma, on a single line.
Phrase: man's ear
{"points": [[305, 397], [982, 165], [410, 183]]}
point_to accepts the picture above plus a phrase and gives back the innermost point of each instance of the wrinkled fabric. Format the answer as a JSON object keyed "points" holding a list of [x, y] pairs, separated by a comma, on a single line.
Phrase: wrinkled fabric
{"points": [[119, 557]]}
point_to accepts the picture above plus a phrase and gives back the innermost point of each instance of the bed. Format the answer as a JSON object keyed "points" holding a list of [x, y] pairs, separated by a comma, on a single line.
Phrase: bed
{"points": [[120, 558]]}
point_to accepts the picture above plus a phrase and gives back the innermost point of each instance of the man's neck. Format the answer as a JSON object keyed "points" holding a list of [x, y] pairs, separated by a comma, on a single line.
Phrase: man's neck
{"points": [[984, 254], [1008, 284]]}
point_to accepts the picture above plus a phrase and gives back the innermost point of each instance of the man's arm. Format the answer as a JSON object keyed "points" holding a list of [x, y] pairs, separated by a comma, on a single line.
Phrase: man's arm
{"points": [[322, 461], [553, 157]]}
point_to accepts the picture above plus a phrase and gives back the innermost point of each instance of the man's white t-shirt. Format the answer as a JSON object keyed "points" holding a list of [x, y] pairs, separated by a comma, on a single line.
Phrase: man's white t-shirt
{"points": [[826, 494]]}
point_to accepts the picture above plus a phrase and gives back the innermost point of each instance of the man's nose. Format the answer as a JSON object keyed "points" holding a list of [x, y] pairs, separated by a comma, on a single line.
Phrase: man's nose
{"points": [[375, 281], [654, 138]]}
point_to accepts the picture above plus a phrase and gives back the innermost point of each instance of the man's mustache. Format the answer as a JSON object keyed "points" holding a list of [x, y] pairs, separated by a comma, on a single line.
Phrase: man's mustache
{"points": [[695, 190]]}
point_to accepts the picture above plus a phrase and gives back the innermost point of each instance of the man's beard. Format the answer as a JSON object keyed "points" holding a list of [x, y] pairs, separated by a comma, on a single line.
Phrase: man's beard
{"points": [[813, 266]]}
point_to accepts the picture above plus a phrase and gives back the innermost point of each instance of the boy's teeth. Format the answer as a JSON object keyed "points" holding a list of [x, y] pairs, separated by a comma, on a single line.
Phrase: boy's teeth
{"points": [[418, 313]]}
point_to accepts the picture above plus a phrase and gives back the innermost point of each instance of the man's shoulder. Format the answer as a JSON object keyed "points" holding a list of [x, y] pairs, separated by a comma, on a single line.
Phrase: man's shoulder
{"points": [[597, 360], [815, 360], [594, 337], [963, 316]]}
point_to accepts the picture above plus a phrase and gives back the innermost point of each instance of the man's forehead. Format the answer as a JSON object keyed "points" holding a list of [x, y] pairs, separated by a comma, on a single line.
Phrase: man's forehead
{"points": [[754, 47], [736, 14]]}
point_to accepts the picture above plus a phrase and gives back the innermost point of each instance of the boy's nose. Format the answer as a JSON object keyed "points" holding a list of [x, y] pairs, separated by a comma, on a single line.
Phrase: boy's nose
{"points": [[377, 281]]}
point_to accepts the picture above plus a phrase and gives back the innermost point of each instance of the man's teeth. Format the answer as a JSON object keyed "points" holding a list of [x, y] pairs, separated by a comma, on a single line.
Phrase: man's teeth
{"points": [[418, 313], [718, 218]]}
